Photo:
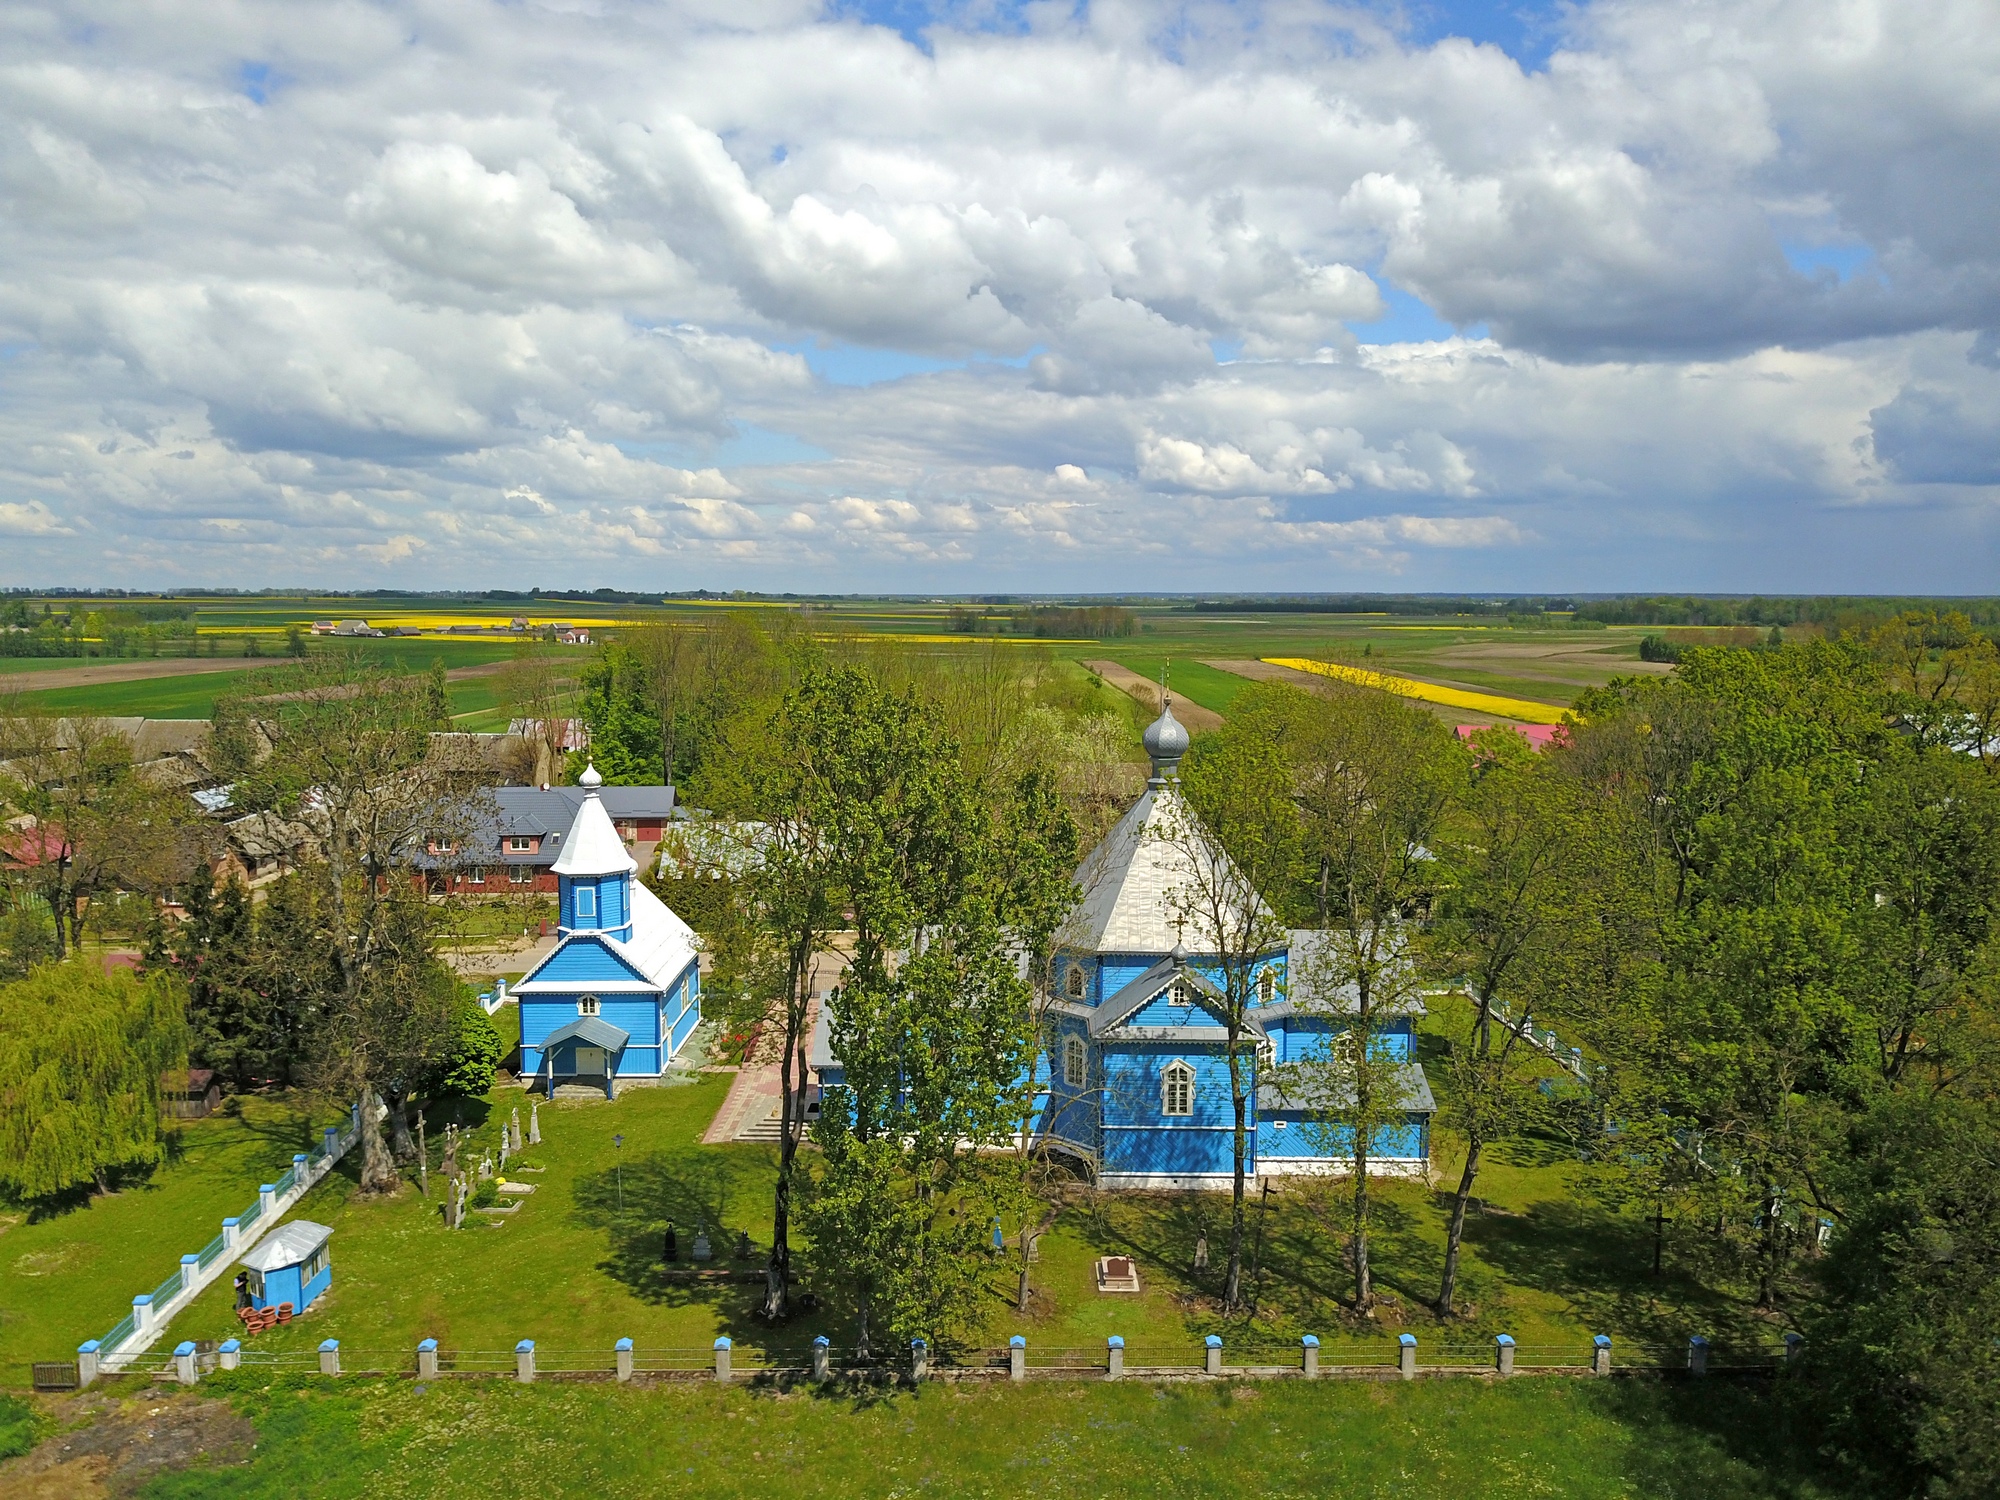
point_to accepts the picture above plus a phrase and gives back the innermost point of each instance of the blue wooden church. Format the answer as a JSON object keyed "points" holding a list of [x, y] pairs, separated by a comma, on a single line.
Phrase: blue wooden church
{"points": [[620, 994], [1136, 1074], [1134, 1081]]}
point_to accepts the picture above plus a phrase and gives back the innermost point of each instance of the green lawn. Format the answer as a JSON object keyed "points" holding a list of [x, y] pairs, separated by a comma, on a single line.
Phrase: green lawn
{"points": [[68, 1276], [1572, 1438]]}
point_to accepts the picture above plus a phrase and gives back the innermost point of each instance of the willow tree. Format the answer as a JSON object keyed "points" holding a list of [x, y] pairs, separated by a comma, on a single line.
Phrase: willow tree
{"points": [[82, 1053], [343, 753]]}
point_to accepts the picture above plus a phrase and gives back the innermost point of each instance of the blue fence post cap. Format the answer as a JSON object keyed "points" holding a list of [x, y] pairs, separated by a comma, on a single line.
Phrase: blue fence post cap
{"points": [[427, 1346], [298, 1156], [1017, 1342], [144, 1299], [1602, 1341], [1505, 1340], [1114, 1342], [190, 1260], [723, 1343], [185, 1346], [526, 1346], [89, 1346], [918, 1344], [231, 1222], [1694, 1339], [1213, 1341], [331, 1346], [623, 1346], [267, 1187], [822, 1342], [1310, 1341], [1407, 1340], [232, 1346]]}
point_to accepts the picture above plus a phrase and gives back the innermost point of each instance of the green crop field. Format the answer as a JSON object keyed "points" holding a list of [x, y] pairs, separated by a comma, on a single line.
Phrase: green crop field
{"points": [[1576, 1439]]}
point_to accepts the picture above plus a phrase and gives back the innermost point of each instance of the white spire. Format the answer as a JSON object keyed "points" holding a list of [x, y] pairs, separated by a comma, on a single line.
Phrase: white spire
{"points": [[593, 846]]}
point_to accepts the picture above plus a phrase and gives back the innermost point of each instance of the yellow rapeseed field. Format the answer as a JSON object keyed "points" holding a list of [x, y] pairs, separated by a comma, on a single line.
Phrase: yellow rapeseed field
{"points": [[1480, 703]]}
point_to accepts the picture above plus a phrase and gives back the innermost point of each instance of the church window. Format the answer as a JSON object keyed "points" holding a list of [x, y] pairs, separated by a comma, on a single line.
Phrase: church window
{"points": [[588, 1006], [1267, 1053], [1267, 987], [1073, 1063], [1183, 992], [1073, 981], [586, 901], [1177, 1089]]}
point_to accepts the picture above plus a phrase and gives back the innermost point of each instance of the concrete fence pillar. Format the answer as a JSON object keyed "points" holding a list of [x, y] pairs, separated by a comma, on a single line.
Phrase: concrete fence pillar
{"points": [[624, 1353], [1309, 1356], [1697, 1355], [190, 1268], [142, 1314], [1213, 1344], [1795, 1347], [1017, 1358], [230, 1355], [427, 1359], [184, 1370], [1406, 1356], [230, 1228], [822, 1358], [332, 1139], [722, 1350], [1114, 1358], [920, 1360], [1503, 1353], [1600, 1354], [329, 1357], [524, 1361], [299, 1160], [86, 1362], [267, 1198]]}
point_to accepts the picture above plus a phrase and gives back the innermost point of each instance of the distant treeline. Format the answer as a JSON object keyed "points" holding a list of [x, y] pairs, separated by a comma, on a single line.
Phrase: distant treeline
{"points": [[115, 630], [1094, 622], [1373, 604], [1834, 613]]}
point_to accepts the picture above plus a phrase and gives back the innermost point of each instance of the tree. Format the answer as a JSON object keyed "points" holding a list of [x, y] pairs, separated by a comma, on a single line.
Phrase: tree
{"points": [[539, 695], [1233, 833], [1371, 779], [344, 752], [96, 823], [1528, 900], [617, 704], [212, 950], [474, 1053], [83, 1053]]}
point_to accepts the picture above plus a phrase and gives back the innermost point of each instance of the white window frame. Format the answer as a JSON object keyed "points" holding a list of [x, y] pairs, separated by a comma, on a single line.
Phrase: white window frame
{"points": [[1076, 1063], [1267, 986], [1076, 983], [585, 897], [1177, 1090], [474, 875], [1180, 992], [520, 843], [589, 1005]]}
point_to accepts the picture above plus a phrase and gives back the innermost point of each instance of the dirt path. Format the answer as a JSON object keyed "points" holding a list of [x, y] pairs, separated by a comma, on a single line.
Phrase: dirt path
{"points": [[112, 1444], [1197, 719], [1264, 671]]}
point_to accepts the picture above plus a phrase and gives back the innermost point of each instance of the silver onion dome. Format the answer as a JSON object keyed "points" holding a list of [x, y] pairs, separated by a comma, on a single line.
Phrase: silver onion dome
{"points": [[1166, 740]]}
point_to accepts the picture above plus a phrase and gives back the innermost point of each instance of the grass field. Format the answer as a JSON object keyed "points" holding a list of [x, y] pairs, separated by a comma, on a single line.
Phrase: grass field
{"points": [[1570, 1438]]}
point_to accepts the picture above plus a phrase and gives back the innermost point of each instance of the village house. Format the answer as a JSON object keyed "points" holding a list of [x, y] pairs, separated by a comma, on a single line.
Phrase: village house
{"points": [[518, 850]]}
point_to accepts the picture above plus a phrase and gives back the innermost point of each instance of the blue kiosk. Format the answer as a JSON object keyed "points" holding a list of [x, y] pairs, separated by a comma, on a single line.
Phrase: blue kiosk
{"points": [[292, 1264]]}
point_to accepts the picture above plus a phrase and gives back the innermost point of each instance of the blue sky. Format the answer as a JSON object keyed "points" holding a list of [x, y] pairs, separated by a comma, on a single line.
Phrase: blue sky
{"points": [[983, 296]]}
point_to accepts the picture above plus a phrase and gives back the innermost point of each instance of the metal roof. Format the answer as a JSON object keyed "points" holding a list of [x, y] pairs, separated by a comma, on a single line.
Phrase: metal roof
{"points": [[287, 1245], [592, 1031]]}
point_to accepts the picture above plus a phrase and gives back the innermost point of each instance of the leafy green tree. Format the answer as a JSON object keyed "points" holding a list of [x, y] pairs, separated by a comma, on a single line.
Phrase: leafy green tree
{"points": [[83, 1052], [474, 1054], [344, 753], [617, 705], [1232, 831], [212, 950], [437, 694]]}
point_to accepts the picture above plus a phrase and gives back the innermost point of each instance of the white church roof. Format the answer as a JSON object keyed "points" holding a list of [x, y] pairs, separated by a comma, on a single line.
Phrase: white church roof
{"points": [[593, 846], [1137, 881]]}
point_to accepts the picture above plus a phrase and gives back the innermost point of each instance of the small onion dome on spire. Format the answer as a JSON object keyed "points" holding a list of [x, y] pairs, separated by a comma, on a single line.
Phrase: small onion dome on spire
{"points": [[1179, 955], [590, 780], [1166, 740]]}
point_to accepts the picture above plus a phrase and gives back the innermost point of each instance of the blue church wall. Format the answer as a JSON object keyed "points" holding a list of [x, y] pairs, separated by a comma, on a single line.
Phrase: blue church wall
{"points": [[1161, 1010], [585, 961], [1132, 1089], [1301, 1137], [1116, 970], [606, 899], [683, 1009], [1169, 1152]]}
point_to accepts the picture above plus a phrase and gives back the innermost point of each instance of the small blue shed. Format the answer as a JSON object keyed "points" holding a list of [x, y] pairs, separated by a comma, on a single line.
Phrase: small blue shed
{"points": [[292, 1264]]}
